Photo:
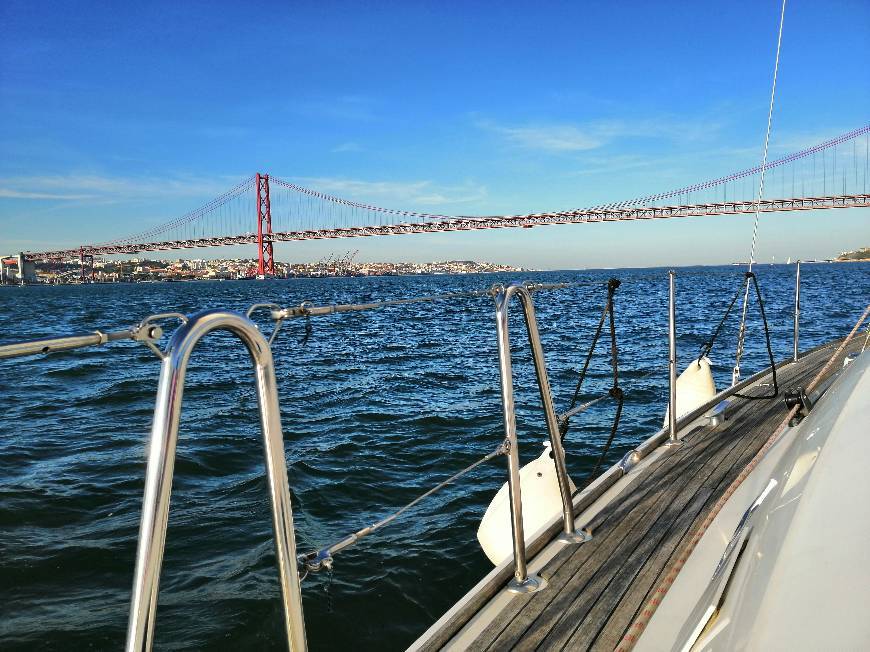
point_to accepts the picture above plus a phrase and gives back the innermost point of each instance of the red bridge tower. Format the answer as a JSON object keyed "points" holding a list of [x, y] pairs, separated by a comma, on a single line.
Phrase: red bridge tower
{"points": [[86, 260], [266, 264]]}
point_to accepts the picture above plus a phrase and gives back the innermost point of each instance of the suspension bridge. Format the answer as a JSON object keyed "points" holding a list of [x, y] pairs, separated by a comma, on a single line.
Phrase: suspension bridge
{"points": [[265, 209]]}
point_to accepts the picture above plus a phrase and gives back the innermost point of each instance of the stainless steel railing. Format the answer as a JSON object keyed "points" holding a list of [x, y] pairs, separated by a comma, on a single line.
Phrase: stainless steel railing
{"points": [[522, 582], [673, 440], [164, 433], [146, 331], [161, 461], [797, 310], [164, 437]]}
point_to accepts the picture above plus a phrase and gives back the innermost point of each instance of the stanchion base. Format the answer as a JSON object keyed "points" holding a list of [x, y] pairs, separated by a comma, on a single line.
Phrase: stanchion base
{"points": [[577, 536], [532, 584]]}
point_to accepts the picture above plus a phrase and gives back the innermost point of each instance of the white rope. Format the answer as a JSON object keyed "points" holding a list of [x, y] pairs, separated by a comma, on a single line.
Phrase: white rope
{"points": [[767, 138], [735, 376]]}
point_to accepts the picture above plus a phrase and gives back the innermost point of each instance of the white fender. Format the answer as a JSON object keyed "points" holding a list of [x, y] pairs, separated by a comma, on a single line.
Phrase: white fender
{"points": [[542, 502], [695, 386]]}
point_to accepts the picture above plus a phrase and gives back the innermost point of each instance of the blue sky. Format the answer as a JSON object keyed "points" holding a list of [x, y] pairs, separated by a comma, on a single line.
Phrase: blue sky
{"points": [[117, 116]]}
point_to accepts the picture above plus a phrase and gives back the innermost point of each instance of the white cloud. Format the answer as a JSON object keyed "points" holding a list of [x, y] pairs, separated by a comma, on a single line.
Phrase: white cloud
{"points": [[397, 194], [554, 138], [73, 187], [611, 164], [567, 137], [7, 193], [349, 146]]}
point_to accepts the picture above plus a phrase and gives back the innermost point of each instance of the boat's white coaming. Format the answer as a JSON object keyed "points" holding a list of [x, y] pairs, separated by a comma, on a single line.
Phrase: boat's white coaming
{"points": [[802, 581]]}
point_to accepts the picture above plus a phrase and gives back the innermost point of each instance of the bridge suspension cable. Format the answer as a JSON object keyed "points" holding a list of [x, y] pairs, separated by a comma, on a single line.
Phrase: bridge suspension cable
{"points": [[215, 204], [853, 136]]}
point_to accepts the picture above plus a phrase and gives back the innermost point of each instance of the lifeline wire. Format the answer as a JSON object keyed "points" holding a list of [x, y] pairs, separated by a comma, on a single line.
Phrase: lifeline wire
{"points": [[307, 310], [318, 559], [314, 560]]}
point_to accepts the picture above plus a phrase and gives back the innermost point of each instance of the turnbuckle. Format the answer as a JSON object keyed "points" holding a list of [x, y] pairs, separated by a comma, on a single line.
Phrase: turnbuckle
{"points": [[315, 561]]}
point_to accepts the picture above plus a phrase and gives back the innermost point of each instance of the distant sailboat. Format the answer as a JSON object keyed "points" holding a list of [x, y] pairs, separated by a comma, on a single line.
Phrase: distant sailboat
{"points": [[788, 262]]}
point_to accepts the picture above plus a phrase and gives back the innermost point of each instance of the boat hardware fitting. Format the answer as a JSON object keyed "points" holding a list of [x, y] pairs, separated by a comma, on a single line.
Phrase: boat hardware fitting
{"points": [[797, 397]]}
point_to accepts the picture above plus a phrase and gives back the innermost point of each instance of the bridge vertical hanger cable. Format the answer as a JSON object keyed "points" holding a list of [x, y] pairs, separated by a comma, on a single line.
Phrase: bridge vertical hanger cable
{"points": [[741, 334]]}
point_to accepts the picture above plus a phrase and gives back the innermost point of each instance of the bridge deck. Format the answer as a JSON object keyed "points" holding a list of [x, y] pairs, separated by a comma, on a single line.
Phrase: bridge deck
{"points": [[446, 224], [596, 589]]}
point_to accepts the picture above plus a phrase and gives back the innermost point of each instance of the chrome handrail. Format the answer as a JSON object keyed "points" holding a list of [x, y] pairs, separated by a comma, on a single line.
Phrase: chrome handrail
{"points": [[161, 461], [522, 582], [797, 310], [673, 440]]}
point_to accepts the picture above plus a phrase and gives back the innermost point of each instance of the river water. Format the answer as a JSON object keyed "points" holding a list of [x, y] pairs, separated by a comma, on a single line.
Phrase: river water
{"points": [[377, 407]]}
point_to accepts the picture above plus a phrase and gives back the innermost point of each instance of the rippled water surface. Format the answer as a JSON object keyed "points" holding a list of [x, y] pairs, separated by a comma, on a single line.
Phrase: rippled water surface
{"points": [[376, 408]]}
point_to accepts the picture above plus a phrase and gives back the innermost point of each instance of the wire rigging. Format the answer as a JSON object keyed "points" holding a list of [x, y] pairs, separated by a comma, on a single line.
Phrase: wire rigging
{"points": [[741, 333]]}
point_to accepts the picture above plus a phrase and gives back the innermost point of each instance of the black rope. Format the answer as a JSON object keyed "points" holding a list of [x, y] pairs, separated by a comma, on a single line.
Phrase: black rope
{"points": [[612, 285], [706, 346], [614, 351], [308, 330], [615, 391], [582, 376], [751, 275]]}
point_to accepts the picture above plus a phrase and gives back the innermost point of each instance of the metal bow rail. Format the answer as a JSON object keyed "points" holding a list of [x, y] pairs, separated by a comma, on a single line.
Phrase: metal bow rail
{"points": [[161, 460]]}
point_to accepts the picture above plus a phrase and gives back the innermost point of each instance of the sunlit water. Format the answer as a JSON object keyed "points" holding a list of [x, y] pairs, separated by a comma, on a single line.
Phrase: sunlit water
{"points": [[376, 408]]}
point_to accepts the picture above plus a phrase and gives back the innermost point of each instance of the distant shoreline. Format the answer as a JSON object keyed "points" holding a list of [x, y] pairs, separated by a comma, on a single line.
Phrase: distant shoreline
{"points": [[861, 255], [276, 278], [429, 274]]}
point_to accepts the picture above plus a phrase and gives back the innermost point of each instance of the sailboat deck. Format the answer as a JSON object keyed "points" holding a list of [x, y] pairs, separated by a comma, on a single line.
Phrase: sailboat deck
{"points": [[596, 589]]}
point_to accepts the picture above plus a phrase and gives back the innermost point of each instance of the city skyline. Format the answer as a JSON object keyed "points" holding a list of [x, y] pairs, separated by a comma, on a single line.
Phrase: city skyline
{"points": [[145, 269], [105, 134]]}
